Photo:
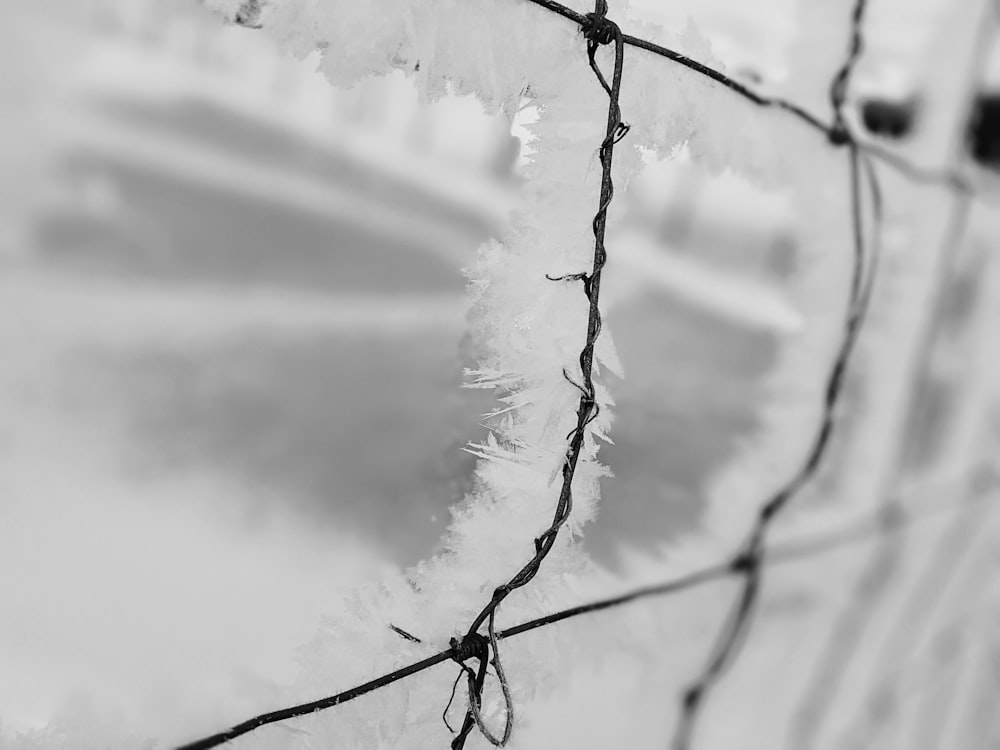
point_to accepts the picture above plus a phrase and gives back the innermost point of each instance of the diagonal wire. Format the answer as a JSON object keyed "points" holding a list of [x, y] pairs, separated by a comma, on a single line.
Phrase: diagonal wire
{"points": [[804, 549], [834, 132], [850, 627], [739, 619]]}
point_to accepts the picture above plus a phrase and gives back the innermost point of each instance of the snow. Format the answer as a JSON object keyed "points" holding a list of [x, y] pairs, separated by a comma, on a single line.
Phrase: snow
{"points": [[79, 548]]}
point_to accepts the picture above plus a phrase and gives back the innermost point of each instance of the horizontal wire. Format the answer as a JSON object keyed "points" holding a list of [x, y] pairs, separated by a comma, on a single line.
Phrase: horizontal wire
{"points": [[792, 551], [705, 70], [944, 177]]}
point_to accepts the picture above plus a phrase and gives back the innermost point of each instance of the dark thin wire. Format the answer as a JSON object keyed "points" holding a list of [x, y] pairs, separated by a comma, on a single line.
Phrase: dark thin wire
{"points": [[738, 621], [476, 681], [598, 31], [838, 89], [322, 704], [545, 542], [677, 585], [444, 714], [403, 634], [734, 631], [700, 68], [788, 552], [800, 550], [953, 180], [852, 623]]}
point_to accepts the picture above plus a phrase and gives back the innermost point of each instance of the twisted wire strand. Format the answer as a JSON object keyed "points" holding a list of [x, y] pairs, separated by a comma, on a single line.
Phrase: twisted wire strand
{"points": [[597, 31], [951, 179], [838, 88]]}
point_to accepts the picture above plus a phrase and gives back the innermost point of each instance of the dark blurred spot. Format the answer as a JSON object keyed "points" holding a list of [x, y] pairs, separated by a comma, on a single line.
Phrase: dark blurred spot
{"points": [[248, 14], [983, 134], [890, 118]]}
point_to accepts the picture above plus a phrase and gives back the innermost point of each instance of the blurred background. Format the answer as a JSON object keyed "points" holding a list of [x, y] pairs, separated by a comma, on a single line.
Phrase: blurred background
{"points": [[233, 307], [233, 338]]}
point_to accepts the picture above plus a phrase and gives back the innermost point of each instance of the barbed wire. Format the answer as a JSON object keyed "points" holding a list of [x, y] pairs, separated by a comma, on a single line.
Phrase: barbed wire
{"points": [[598, 31], [250, 12], [750, 560], [946, 177]]}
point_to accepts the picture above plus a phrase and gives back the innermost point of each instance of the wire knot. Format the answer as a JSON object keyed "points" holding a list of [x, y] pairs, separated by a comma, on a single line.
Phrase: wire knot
{"points": [[597, 28], [472, 645], [838, 134]]}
